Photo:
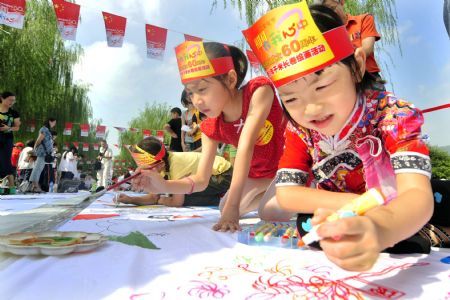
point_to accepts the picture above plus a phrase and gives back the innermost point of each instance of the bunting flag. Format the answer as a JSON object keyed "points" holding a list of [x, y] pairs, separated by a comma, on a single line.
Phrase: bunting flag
{"points": [[66, 146], [12, 13], [146, 133], [68, 128], [134, 129], [100, 132], [156, 41], [160, 135], [192, 38], [254, 62], [85, 147], [31, 126], [115, 29], [117, 146], [67, 14], [95, 146], [84, 129], [121, 129], [75, 144]]}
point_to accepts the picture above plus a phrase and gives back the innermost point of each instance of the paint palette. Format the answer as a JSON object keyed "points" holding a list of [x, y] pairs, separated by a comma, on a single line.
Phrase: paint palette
{"points": [[50, 242], [276, 234]]}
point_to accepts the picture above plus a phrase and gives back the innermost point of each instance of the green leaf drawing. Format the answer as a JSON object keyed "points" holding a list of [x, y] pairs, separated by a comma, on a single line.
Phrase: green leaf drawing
{"points": [[135, 238]]}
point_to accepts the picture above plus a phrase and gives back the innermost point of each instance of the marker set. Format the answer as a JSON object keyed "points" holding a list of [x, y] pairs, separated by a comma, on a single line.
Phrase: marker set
{"points": [[274, 234]]}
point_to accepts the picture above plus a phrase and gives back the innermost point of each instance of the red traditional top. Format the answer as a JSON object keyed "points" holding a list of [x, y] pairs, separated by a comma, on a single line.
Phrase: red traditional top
{"points": [[334, 161], [269, 145]]}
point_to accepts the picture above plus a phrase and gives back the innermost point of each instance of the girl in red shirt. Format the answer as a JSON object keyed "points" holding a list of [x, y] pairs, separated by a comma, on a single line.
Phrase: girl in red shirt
{"points": [[248, 117]]}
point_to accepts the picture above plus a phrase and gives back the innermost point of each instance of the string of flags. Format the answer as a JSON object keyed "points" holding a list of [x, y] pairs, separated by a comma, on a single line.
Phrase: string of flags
{"points": [[12, 13]]}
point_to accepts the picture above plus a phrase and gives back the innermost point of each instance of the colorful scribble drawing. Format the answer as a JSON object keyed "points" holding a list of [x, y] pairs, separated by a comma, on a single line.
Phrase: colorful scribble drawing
{"points": [[282, 280], [207, 290], [323, 287]]}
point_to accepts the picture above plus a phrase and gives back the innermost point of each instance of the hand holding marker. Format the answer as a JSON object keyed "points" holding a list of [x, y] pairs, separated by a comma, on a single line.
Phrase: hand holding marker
{"points": [[358, 207]]}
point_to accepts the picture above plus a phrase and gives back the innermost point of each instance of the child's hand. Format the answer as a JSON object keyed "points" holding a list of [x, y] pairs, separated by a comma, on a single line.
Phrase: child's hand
{"points": [[149, 181], [122, 198], [351, 243], [228, 221]]}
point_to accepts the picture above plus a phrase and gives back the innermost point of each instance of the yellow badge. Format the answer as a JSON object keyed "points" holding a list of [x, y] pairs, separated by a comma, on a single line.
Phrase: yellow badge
{"points": [[265, 134]]}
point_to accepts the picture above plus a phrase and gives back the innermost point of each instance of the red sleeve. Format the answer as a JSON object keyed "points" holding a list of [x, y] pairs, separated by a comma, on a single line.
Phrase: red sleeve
{"points": [[400, 127], [368, 28], [208, 127], [295, 163]]}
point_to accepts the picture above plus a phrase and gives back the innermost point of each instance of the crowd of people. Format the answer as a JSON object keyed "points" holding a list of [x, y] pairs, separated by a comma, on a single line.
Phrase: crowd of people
{"points": [[318, 133]]}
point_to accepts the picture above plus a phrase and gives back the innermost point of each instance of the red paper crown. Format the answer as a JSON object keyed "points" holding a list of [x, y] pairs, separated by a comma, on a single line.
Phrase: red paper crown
{"points": [[289, 44], [193, 63]]}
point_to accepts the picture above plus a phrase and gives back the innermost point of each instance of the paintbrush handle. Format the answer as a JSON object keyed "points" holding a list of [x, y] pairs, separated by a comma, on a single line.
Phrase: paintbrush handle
{"points": [[133, 176]]}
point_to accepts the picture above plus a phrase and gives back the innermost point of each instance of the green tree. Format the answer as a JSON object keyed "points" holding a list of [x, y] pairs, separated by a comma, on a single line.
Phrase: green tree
{"points": [[440, 162], [36, 64]]}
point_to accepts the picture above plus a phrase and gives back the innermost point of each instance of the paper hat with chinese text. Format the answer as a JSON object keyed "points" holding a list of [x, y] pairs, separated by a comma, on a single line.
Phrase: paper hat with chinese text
{"points": [[144, 159], [289, 44], [193, 63]]}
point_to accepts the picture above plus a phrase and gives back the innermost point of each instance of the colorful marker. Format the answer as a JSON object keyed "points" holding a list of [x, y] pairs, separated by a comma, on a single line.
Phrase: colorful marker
{"points": [[259, 235], [358, 207], [287, 235], [269, 234]]}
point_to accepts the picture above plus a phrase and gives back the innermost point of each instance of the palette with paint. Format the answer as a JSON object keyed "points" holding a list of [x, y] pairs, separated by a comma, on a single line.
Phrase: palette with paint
{"points": [[50, 242], [275, 234]]}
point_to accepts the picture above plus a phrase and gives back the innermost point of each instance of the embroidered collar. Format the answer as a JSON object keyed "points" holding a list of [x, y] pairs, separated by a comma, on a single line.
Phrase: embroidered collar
{"points": [[340, 141]]}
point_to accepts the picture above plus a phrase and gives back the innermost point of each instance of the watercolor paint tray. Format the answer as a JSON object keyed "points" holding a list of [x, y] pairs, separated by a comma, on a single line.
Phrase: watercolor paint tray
{"points": [[50, 242], [274, 234]]}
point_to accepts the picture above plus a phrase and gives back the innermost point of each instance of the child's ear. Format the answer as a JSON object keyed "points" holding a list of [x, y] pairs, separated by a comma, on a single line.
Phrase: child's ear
{"points": [[360, 57], [232, 79]]}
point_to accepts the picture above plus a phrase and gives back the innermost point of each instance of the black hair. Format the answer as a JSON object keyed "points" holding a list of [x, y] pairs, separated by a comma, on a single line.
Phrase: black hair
{"points": [[185, 100], [152, 145], [327, 19], [5, 95], [54, 132], [176, 110], [216, 50], [30, 143], [47, 122]]}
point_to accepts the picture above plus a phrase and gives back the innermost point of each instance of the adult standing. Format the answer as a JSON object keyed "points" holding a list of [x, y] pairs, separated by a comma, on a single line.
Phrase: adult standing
{"points": [[363, 34], [43, 147], [9, 122], [105, 157], [173, 127]]}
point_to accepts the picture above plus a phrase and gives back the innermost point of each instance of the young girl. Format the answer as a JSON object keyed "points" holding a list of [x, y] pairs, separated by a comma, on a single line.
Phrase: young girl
{"points": [[249, 118], [332, 110], [178, 165]]}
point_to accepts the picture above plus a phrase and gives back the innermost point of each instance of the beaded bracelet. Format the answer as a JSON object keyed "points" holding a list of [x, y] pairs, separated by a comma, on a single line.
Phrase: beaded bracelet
{"points": [[192, 185]]}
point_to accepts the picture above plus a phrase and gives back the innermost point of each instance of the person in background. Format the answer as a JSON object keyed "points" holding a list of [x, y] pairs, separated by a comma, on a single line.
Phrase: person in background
{"points": [[105, 156], [26, 161], [47, 179], [17, 149], [363, 34], [173, 127], [43, 146], [9, 123], [191, 136], [66, 165]]}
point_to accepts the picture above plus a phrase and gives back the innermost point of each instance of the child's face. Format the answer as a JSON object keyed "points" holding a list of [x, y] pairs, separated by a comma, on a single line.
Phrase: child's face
{"points": [[321, 101], [208, 95], [174, 115]]}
